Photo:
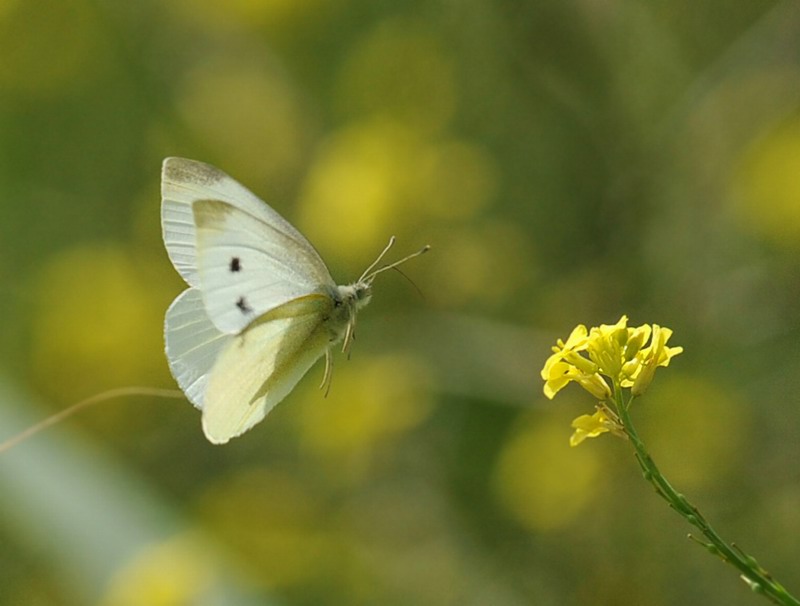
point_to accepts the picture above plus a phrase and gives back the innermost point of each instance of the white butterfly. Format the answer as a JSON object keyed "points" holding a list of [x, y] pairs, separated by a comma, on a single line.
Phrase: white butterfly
{"points": [[262, 306]]}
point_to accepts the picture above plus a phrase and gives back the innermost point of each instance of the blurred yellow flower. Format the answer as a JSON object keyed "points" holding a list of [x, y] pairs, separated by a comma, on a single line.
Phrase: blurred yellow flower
{"points": [[49, 48], [274, 520], [538, 484], [695, 456], [105, 327], [766, 187], [371, 405], [469, 257], [279, 21], [382, 177], [399, 70], [173, 573], [247, 95]]}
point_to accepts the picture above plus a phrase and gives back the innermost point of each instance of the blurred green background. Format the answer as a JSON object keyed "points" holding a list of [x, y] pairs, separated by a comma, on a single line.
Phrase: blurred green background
{"points": [[569, 161]]}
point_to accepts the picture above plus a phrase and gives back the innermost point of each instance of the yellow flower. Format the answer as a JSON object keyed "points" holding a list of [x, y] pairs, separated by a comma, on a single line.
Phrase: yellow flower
{"points": [[557, 374], [657, 354], [577, 341], [637, 337], [609, 354], [566, 364], [591, 426], [615, 351], [595, 385], [607, 346]]}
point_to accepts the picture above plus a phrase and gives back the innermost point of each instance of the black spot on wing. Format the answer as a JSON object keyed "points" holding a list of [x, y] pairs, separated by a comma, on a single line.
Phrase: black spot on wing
{"points": [[235, 265], [241, 303]]}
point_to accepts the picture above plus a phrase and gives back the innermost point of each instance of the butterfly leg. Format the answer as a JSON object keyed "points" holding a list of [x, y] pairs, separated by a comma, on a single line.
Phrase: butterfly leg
{"points": [[349, 336], [327, 375]]}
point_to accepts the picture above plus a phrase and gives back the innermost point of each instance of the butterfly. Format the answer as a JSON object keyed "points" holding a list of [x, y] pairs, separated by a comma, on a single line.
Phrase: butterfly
{"points": [[261, 307]]}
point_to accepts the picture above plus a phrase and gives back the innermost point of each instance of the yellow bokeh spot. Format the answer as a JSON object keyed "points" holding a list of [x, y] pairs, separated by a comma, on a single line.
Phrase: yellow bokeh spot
{"points": [[174, 573], [355, 178], [456, 180], [693, 428], [7, 7], [250, 116], [397, 528], [272, 15], [370, 402], [399, 71], [97, 324], [47, 47], [768, 188], [376, 178], [482, 264], [542, 482], [273, 521]]}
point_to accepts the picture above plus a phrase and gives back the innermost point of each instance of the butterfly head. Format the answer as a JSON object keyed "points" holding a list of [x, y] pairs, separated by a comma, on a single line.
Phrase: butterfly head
{"points": [[347, 301], [353, 296], [356, 295]]}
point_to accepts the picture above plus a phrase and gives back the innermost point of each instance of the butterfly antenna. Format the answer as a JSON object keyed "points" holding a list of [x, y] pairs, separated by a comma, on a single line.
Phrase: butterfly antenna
{"points": [[370, 277], [378, 260], [410, 281]]}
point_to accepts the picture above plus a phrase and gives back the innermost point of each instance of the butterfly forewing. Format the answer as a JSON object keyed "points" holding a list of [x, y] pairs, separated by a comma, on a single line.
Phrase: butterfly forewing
{"points": [[247, 268], [183, 182], [267, 360]]}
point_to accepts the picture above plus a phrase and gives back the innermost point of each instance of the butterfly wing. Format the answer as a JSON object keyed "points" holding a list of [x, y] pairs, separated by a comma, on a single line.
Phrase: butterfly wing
{"points": [[260, 312], [184, 182], [193, 344], [247, 267], [260, 366]]}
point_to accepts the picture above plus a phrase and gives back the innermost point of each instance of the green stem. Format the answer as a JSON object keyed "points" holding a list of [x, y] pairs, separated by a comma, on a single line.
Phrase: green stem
{"points": [[759, 580]]}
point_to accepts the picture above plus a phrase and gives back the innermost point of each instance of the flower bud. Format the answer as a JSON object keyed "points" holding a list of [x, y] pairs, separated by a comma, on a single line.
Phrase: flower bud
{"points": [[595, 385]]}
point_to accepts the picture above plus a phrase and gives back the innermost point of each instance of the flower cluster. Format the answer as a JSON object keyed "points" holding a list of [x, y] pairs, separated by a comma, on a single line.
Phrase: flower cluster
{"points": [[605, 360]]}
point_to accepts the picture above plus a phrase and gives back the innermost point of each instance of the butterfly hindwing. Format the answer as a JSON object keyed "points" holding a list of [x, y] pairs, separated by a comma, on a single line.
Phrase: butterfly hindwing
{"points": [[192, 344], [259, 367]]}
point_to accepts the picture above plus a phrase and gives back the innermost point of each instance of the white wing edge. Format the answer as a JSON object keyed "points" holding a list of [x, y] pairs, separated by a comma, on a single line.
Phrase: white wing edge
{"points": [[192, 344], [185, 181]]}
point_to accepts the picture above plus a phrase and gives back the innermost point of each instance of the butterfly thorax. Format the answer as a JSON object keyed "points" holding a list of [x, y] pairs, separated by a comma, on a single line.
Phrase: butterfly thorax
{"points": [[347, 300], [355, 295]]}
